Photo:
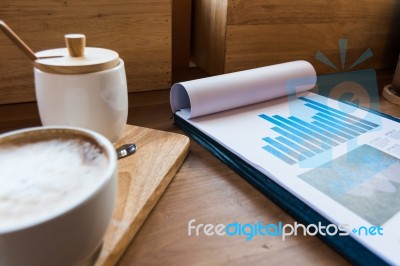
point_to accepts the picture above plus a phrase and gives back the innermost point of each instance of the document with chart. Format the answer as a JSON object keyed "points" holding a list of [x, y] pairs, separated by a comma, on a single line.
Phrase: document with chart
{"points": [[340, 160]]}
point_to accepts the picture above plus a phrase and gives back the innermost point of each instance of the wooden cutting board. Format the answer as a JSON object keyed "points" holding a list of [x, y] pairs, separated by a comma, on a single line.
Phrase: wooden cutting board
{"points": [[142, 179]]}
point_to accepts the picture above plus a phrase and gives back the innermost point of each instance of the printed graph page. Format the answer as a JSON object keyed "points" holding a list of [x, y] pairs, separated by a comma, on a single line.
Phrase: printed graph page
{"points": [[341, 160]]}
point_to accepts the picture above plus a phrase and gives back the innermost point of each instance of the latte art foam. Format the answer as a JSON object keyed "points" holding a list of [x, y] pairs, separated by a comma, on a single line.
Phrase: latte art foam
{"points": [[43, 178]]}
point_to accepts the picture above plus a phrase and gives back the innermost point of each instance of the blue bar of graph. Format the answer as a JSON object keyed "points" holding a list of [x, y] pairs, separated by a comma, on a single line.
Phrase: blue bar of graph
{"points": [[306, 130], [296, 132], [333, 130], [354, 128], [295, 147], [345, 119], [317, 129], [279, 155], [346, 130], [339, 112], [300, 141], [285, 149]]}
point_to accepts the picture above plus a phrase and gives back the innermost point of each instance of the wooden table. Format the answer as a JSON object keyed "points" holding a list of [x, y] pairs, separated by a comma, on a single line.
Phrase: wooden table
{"points": [[206, 190]]}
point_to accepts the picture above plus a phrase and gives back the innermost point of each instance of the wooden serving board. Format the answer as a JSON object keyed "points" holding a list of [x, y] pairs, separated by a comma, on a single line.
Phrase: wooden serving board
{"points": [[142, 179]]}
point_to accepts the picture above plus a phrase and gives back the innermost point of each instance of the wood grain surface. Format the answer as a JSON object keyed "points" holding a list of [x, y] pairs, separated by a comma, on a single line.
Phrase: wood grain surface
{"points": [[142, 179], [247, 34], [209, 35], [181, 28], [140, 31]]}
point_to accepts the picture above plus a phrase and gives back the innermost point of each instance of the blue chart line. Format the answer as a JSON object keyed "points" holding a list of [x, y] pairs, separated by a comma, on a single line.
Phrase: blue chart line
{"points": [[299, 140]]}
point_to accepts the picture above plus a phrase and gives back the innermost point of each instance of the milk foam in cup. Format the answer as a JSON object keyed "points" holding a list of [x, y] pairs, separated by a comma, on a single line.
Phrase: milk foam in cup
{"points": [[42, 177], [57, 194]]}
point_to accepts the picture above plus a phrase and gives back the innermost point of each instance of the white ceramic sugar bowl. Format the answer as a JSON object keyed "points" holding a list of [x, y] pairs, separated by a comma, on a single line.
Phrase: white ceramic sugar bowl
{"points": [[83, 87]]}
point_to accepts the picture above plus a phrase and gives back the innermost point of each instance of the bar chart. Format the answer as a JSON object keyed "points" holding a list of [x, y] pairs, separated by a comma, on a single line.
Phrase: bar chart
{"points": [[298, 140]]}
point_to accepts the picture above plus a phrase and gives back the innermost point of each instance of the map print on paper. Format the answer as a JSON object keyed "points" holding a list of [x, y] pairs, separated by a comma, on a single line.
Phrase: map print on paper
{"points": [[366, 181]]}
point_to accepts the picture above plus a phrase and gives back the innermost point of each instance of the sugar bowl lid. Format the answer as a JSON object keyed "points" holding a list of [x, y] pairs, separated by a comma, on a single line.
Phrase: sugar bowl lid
{"points": [[76, 58]]}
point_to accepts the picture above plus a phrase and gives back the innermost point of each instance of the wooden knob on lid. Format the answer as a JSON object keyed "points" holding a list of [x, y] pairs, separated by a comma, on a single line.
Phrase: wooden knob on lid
{"points": [[76, 58], [76, 44]]}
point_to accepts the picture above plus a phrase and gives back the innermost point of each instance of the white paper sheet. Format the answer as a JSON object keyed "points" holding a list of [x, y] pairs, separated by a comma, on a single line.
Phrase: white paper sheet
{"points": [[228, 91]]}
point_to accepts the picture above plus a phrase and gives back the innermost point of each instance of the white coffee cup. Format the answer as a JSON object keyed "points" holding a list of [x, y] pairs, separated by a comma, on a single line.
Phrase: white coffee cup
{"points": [[66, 232], [83, 87]]}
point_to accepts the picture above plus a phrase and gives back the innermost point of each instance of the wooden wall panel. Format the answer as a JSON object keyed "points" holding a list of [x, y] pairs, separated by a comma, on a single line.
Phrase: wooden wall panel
{"points": [[208, 38], [302, 41], [264, 32], [139, 30], [244, 12], [181, 28]]}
